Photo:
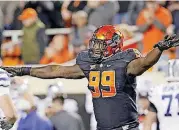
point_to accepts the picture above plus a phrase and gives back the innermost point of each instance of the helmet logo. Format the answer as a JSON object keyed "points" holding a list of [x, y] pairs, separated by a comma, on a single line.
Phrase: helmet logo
{"points": [[115, 37]]}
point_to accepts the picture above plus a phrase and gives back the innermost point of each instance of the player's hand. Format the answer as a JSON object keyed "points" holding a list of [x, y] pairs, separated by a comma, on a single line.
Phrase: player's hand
{"points": [[17, 71], [168, 42], [5, 125], [13, 71]]}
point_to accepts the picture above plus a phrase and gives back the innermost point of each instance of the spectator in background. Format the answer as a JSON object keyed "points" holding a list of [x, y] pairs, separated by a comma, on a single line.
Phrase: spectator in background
{"points": [[16, 24], [153, 22], [164, 3], [70, 7], [49, 12], [66, 14], [91, 6], [81, 32], [173, 6], [24, 102], [8, 8], [57, 51], [174, 9], [70, 105], [102, 14], [11, 53], [131, 39], [76, 5], [121, 15], [62, 120], [34, 38], [43, 8], [55, 15], [133, 11]]}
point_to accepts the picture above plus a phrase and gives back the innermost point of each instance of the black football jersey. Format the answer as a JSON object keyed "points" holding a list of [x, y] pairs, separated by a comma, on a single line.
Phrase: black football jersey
{"points": [[113, 90]]}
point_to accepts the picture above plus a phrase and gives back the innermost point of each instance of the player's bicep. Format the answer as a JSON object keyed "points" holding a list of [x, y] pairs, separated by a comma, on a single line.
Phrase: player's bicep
{"points": [[137, 67], [71, 72]]}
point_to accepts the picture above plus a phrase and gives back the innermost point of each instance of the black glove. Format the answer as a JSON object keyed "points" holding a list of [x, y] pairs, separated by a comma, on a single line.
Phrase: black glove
{"points": [[168, 42], [17, 71], [5, 125]]}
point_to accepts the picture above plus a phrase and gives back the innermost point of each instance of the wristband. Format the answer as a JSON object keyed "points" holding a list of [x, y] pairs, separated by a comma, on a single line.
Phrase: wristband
{"points": [[25, 70], [156, 45]]}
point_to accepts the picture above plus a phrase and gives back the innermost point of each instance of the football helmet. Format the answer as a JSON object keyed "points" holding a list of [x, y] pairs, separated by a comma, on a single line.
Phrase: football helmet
{"points": [[105, 42], [173, 70]]}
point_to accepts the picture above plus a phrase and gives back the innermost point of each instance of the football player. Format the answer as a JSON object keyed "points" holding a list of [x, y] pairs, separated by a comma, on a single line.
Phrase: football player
{"points": [[164, 101], [6, 104], [111, 73], [144, 83]]}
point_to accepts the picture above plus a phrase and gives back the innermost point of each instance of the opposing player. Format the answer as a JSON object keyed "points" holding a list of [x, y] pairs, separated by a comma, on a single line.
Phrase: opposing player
{"points": [[165, 101], [144, 84], [111, 73], [6, 105]]}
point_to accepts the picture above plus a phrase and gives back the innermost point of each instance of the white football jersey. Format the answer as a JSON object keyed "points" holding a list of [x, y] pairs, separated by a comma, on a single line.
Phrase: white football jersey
{"points": [[166, 100]]}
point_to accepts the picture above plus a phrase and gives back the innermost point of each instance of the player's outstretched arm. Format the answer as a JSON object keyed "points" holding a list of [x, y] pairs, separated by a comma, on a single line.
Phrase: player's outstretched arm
{"points": [[140, 65], [57, 71], [48, 72]]}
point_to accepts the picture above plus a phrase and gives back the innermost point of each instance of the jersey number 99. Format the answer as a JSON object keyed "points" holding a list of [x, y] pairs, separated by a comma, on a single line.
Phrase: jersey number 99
{"points": [[105, 80]]}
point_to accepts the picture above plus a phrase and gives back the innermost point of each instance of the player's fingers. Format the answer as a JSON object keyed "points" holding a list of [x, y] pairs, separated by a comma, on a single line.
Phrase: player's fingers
{"points": [[175, 44], [166, 37], [172, 37], [176, 40], [9, 74], [169, 37]]}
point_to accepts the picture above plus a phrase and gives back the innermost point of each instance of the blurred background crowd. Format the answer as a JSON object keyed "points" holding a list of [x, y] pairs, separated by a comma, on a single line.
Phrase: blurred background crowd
{"points": [[44, 32], [56, 31]]}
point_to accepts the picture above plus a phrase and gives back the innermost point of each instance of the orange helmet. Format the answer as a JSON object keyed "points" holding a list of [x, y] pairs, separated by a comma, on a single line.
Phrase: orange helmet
{"points": [[106, 41]]}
